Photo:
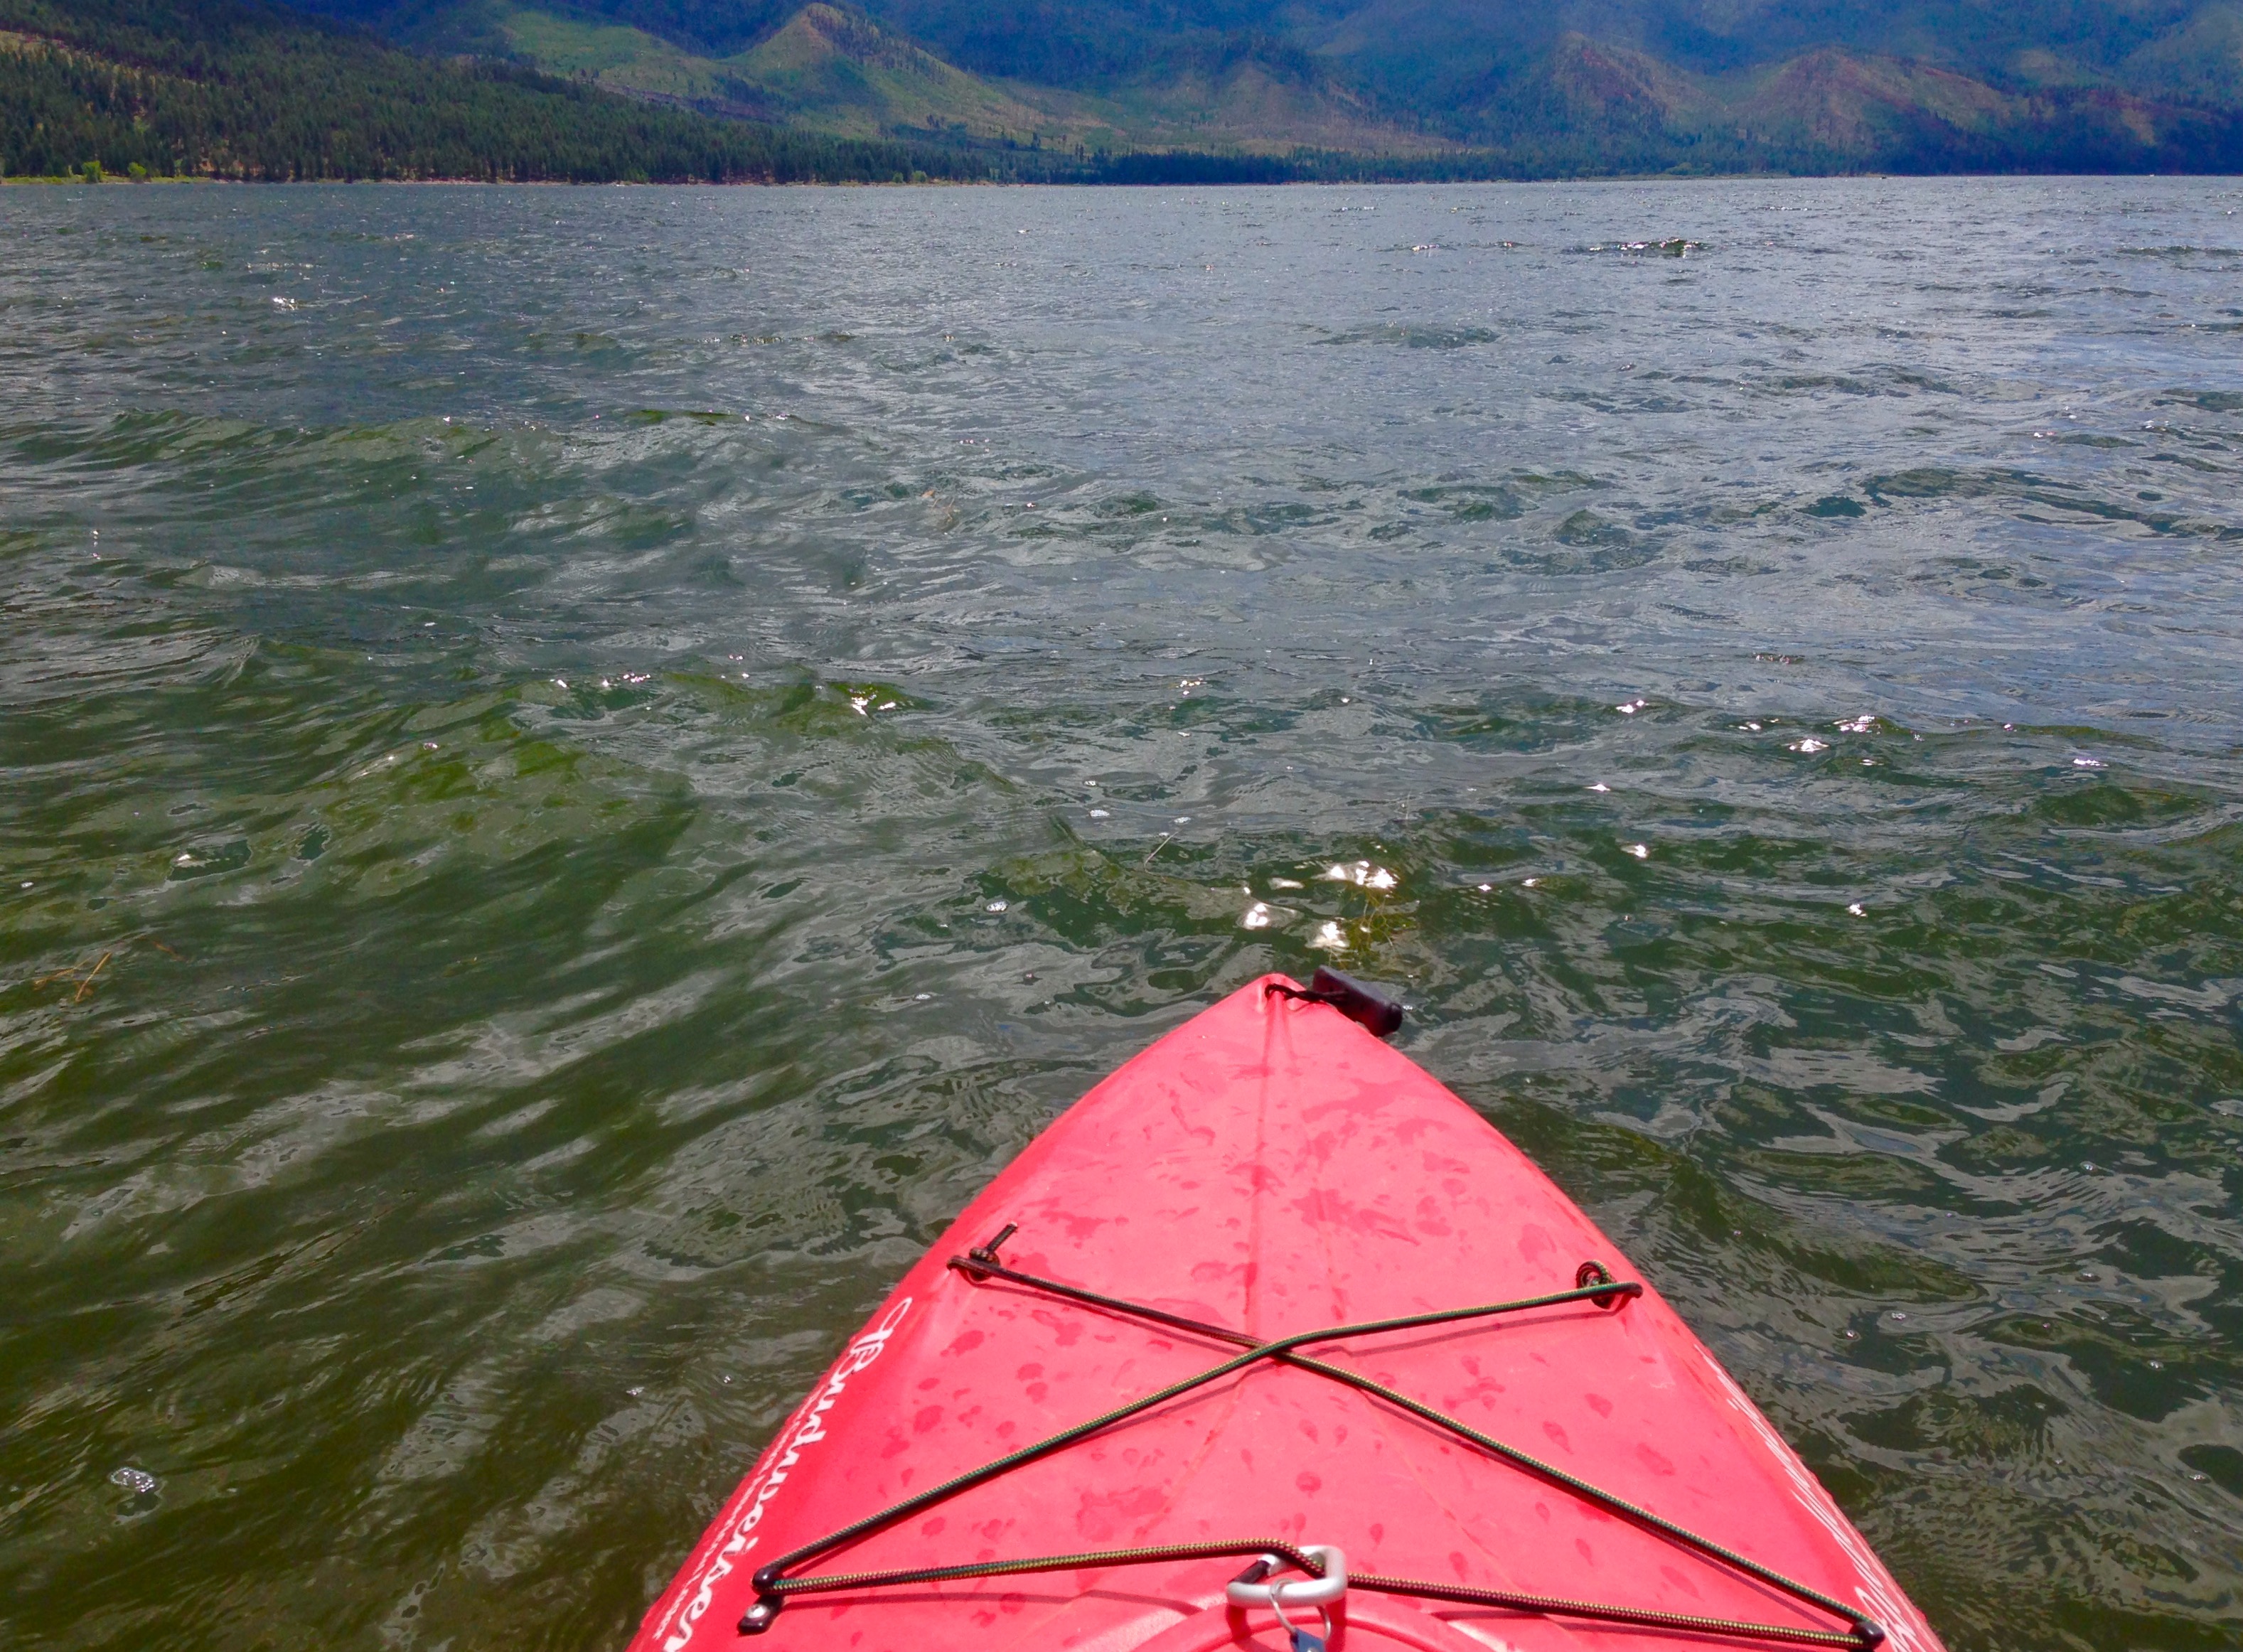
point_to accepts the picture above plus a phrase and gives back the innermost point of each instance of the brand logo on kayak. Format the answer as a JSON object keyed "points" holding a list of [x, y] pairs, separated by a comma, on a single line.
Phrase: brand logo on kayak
{"points": [[807, 1429]]}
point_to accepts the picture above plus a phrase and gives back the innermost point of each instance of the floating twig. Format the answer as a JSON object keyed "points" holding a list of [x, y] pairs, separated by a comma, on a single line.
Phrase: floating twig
{"points": [[86, 985], [83, 976]]}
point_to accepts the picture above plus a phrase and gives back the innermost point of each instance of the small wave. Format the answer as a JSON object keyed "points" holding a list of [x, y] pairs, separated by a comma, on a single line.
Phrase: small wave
{"points": [[1836, 505], [1888, 381], [1471, 501], [2021, 490], [1675, 246], [1417, 338], [2209, 400]]}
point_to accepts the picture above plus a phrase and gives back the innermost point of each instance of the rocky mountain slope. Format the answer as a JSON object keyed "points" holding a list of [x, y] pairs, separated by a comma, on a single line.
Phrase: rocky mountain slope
{"points": [[1532, 86]]}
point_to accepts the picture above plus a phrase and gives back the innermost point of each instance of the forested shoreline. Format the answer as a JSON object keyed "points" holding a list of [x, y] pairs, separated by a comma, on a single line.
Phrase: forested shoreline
{"points": [[167, 88]]}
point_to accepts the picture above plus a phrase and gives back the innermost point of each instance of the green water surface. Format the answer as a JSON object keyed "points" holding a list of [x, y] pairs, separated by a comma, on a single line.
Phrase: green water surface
{"points": [[578, 768]]}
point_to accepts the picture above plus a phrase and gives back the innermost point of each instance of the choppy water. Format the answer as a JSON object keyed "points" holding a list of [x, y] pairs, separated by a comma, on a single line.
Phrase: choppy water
{"points": [[582, 767]]}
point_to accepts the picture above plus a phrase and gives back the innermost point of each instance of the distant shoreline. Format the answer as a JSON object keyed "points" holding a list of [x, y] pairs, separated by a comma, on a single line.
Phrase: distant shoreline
{"points": [[66, 180]]}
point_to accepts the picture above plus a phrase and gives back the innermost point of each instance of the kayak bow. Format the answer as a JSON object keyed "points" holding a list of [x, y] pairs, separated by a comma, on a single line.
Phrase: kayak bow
{"points": [[1270, 1340]]}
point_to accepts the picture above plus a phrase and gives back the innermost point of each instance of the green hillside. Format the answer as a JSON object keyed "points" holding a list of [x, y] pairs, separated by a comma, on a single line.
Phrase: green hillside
{"points": [[172, 88], [836, 72]]}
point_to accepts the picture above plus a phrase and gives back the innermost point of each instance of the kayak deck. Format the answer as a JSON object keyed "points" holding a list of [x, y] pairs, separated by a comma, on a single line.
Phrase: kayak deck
{"points": [[1270, 1171]]}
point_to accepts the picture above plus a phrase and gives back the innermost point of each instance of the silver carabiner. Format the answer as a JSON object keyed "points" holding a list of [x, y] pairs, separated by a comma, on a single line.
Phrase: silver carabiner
{"points": [[1318, 1592]]}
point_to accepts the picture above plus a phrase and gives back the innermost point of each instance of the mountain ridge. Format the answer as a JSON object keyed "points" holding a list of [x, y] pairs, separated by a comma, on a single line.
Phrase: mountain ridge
{"points": [[1555, 87], [1133, 90], [839, 72]]}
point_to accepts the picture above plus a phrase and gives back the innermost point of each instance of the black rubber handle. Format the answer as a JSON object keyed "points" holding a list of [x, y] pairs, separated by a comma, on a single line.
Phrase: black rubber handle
{"points": [[1358, 1003]]}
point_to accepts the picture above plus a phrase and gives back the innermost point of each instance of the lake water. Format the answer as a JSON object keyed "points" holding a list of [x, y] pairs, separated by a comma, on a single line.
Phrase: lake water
{"points": [[583, 766]]}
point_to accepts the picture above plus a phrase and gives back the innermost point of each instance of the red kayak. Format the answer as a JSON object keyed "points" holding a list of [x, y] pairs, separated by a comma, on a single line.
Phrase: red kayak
{"points": [[1271, 1342]]}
